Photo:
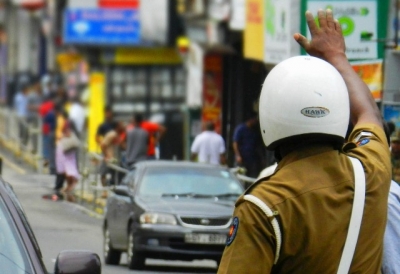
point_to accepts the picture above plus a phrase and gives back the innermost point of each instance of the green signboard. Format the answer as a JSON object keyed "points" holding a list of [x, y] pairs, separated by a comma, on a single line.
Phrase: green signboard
{"points": [[363, 23]]}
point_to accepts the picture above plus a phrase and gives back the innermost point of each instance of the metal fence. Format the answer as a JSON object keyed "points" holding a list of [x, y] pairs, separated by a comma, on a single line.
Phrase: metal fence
{"points": [[22, 138]]}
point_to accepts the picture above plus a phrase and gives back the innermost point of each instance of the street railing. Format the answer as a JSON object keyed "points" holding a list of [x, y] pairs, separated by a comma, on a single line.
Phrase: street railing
{"points": [[21, 137]]}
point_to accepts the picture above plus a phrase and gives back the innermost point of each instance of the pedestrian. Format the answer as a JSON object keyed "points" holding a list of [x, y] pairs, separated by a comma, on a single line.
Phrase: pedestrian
{"points": [[298, 219], [66, 159], [156, 131], [46, 112], [111, 150], [106, 126], [35, 99], [57, 120], [395, 157], [21, 109], [102, 130], [137, 140], [209, 147], [391, 251], [247, 145]]}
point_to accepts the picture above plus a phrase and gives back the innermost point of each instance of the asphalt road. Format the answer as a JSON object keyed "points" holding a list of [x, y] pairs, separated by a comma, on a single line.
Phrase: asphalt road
{"points": [[64, 226]]}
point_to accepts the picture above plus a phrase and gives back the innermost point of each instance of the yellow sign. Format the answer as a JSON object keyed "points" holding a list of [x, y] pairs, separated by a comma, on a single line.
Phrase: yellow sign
{"points": [[68, 61], [146, 56], [96, 107], [254, 30], [371, 73]]}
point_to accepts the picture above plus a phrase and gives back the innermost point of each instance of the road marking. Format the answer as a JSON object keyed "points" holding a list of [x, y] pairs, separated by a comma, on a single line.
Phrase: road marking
{"points": [[18, 169]]}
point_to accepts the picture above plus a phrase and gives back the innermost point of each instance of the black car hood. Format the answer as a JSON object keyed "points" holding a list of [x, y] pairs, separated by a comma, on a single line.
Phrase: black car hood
{"points": [[188, 206]]}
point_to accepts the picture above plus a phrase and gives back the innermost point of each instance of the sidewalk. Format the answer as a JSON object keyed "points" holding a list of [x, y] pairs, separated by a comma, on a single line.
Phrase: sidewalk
{"points": [[86, 192]]}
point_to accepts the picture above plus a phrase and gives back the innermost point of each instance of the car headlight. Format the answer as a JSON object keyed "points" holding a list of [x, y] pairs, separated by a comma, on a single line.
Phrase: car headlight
{"points": [[157, 218]]}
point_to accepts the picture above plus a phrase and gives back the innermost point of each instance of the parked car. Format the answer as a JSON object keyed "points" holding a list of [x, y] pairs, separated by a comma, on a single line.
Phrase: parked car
{"points": [[19, 250], [170, 210]]}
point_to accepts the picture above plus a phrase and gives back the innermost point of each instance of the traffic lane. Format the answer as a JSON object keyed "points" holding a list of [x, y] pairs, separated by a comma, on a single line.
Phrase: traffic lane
{"points": [[60, 226]]}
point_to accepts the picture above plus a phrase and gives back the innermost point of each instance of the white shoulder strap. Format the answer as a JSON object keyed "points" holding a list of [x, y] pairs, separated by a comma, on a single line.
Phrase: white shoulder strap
{"points": [[270, 214], [356, 217]]}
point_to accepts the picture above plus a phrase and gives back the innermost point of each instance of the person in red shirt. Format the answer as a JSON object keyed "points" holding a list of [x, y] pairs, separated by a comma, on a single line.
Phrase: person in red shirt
{"points": [[48, 152], [156, 132]]}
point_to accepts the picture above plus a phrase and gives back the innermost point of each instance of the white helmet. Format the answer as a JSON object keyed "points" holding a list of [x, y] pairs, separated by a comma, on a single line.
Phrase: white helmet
{"points": [[304, 96]]}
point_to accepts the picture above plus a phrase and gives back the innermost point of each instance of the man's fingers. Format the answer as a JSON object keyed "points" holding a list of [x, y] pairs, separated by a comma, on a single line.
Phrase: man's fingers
{"points": [[329, 19], [311, 23], [301, 40], [338, 27], [322, 19]]}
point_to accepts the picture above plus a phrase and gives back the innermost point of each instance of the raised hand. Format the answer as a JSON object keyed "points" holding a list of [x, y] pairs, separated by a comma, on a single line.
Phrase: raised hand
{"points": [[327, 40]]}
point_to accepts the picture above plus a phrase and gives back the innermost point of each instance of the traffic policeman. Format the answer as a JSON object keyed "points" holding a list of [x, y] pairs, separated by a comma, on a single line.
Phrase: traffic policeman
{"points": [[297, 219]]}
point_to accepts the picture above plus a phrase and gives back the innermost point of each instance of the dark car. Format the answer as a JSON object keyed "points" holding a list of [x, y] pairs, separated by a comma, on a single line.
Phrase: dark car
{"points": [[19, 250], [170, 210]]}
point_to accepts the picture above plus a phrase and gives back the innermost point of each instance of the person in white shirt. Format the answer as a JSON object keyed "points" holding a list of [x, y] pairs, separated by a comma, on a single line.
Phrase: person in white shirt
{"points": [[209, 146], [77, 114]]}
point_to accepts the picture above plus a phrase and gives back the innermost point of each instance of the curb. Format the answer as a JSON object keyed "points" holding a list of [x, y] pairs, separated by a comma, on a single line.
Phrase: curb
{"points": [[90, 202]]}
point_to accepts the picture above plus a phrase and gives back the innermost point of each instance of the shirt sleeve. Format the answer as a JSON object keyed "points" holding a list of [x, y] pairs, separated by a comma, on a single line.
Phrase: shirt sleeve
{"points": [[195, 146], [100, 130], [252, 248], [368, 143], [236, 135], [391, 251]]}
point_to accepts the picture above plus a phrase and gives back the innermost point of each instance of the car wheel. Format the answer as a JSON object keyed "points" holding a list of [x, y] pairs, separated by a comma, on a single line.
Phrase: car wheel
{"points": [[111, 255], [135, 260]]}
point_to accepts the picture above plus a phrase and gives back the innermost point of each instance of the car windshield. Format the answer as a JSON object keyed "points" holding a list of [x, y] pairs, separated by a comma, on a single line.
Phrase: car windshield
{"points": [[13, 256], [194, 182]]}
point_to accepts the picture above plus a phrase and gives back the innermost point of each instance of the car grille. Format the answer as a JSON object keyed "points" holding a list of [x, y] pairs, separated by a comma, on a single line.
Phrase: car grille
{"points": [[206, 221]]}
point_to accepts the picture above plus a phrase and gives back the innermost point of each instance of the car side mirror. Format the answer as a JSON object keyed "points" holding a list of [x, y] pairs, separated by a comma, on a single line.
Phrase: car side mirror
{"points": [[77, 262], [122, 190]]}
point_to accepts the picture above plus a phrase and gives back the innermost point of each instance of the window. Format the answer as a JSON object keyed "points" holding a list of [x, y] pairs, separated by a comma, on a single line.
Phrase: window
{"points": [[13, 256]]}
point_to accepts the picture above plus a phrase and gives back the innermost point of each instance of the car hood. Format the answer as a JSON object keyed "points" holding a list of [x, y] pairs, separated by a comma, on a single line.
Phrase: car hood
{"points": [[188, 206]]}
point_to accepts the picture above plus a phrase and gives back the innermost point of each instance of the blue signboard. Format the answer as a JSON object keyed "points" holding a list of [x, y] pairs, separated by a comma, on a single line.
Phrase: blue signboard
{"points": [[392, 113], [117, 27]]}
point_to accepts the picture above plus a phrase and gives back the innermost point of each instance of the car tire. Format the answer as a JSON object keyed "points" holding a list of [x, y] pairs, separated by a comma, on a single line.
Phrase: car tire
{"points": [[111, 255], [135, 260]]}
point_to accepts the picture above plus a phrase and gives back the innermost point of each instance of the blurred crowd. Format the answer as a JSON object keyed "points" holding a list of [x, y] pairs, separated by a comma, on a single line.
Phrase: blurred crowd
{"points": [[62, 114]]}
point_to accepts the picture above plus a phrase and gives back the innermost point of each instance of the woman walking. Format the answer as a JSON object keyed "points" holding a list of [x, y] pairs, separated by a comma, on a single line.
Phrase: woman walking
{"points": [[66, 155]]}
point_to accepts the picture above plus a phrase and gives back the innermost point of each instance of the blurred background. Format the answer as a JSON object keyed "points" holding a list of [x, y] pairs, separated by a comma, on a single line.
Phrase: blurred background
{"points": [[183, 62]]}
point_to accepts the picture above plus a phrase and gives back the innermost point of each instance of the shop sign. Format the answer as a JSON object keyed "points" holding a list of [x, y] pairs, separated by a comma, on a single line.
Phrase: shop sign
{"points": [[371, 73], [97, 83], [102, 26], [68, 61], [358, 20], [277, 31], [114, 4], [212, 90], [194, 81], [392, 113], [219, 9], [394, 22], [237, 20], [254, 30], [142, 56]]}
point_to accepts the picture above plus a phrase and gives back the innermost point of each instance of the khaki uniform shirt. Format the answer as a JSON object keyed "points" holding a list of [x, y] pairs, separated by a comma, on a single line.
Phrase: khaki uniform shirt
{"points": [[312, 190]]}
